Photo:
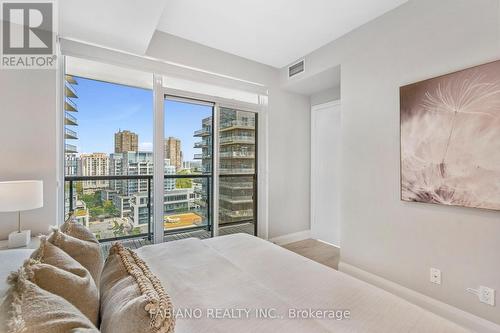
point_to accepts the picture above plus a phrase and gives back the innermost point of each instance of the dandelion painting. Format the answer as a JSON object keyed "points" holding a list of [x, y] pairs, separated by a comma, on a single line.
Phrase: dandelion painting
{"points": [[450, 139]]}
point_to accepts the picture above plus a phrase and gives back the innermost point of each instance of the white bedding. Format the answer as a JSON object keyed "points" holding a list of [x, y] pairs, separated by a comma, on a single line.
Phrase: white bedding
{"points": [[10, 261], [241, 273]]}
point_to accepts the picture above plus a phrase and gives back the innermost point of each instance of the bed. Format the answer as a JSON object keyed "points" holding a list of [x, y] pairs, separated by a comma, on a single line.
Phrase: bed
{"points": [[218, 284]]}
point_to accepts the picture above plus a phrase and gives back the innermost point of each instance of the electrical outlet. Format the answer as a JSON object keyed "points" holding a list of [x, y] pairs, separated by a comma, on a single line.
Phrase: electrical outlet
{"points": [[435, 276], [487, 295]]}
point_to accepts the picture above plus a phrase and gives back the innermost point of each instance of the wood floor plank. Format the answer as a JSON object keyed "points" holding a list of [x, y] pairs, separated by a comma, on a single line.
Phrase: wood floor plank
{"points": [[318, 251]]}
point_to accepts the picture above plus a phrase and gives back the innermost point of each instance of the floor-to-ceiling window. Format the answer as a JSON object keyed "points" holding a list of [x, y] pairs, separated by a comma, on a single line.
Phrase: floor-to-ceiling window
{"points": [[207, 182], [108, 152]]}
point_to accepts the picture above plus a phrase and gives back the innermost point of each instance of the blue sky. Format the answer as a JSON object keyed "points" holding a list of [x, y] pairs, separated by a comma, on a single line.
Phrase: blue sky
{"points": [[104, 108]]}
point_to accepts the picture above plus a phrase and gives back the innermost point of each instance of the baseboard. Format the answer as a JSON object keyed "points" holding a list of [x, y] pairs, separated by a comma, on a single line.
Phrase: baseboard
{"points": [[290, 238], [444, 310]]}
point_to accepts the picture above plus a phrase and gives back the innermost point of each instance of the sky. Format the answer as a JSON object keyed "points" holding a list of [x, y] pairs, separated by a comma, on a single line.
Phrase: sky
{"points": [[104, 108]]}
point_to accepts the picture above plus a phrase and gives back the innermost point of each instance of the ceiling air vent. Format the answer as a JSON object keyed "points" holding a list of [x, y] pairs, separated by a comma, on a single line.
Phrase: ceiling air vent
{"points": [[296, 68]]}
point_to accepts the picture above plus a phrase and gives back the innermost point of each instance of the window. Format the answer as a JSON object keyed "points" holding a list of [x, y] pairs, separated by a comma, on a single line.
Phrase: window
{"points": [[108, 156], [110, 174]]}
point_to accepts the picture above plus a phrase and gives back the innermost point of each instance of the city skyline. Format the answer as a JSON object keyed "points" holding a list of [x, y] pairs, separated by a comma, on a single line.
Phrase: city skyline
{"points": [[105, 108]]}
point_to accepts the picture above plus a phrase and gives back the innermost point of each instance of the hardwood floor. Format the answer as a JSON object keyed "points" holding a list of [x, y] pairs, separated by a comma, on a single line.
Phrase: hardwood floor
{"points": [[318, 251]]}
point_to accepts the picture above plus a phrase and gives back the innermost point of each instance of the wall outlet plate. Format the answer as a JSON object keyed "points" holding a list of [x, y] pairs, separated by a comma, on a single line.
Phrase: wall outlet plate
{"points": [[487, 295], [435, 276]]}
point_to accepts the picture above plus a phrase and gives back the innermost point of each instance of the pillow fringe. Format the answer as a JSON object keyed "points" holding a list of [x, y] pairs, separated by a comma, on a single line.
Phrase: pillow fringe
{"points": [[159, 304], [15, 322]]}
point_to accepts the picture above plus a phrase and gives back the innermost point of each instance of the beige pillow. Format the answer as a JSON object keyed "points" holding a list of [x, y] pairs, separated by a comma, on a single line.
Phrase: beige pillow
{"points": [[87, 253], [56, 271], [132, 298], [28, 308], [78, 230]]}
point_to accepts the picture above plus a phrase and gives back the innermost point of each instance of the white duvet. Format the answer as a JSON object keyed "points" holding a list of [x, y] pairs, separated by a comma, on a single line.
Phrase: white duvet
{"points": [[240, 283]]}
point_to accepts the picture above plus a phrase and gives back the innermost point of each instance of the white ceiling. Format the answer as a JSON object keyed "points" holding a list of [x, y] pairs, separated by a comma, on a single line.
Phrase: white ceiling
{"points": [[126, 25], [273, 32]]}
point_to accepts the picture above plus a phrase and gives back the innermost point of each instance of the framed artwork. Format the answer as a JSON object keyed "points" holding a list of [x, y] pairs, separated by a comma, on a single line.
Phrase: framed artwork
{"points": [[450, 139]]}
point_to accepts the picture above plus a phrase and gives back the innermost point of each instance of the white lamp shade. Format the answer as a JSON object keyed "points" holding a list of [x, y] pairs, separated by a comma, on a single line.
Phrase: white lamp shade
{"points": [[21, 195]]}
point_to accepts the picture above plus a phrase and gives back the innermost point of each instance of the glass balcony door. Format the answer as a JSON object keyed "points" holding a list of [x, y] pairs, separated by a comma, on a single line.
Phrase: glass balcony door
{"points": [[188, 168]]}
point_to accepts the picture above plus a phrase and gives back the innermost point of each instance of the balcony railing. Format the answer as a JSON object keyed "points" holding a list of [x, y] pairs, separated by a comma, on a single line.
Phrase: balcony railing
{"points": [[70, 120], [237, 154], [237, 124], [69, 134], [200, 144], [232, 171], [202, 132], [70, 79], [70, 91], [119, 231], [236, 198], [69, 105], [70, 149], [198, 156], [237, 139]]}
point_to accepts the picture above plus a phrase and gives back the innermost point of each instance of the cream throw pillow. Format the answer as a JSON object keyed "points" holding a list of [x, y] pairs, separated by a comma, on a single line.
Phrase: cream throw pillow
{"points": [[132, 298], [57, 272], [87, 253], [78, 230], [28, 308]]}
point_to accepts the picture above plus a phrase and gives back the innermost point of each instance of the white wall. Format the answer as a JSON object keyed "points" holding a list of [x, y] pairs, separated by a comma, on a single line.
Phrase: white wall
{"points": [[289, 129], [380, 234], [28, 141], [325, 96]]}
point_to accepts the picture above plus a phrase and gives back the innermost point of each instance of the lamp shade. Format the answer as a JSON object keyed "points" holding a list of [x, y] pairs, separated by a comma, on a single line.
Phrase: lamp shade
{"points": [[21, 195]]}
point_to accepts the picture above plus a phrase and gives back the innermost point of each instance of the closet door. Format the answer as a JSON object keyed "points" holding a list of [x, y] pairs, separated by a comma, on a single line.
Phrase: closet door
{"points": [[325, 163]]}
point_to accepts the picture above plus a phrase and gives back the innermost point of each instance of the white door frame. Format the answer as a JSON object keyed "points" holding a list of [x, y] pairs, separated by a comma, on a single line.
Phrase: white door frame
{"points": [[313, 175], [160, 92]]}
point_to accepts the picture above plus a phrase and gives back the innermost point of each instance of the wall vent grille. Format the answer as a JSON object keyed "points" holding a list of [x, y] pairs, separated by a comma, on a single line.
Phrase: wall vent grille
{"points": [[296, 68]]}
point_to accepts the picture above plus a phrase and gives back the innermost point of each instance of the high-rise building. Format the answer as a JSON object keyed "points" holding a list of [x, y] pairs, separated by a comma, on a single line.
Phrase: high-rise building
{"points": [[96, 164], [130, 195], [126, 141], [237, 157], [173, 152], [70, 121]]}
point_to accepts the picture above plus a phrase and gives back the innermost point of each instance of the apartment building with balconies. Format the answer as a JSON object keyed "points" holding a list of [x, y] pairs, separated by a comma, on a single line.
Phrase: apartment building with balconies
{"points": [[237, 152]]}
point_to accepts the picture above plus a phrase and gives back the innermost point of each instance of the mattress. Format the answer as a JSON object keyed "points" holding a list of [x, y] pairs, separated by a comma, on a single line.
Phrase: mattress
{"points": [[241, 283]]}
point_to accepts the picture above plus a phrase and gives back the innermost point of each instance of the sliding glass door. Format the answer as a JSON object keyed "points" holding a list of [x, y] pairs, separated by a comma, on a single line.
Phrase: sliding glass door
{"points": [[203, 198], [188, 173]]}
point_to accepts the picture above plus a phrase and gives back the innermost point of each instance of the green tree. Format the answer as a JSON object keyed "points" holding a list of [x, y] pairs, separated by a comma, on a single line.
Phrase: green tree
{"points": [[110, 209], [184, 182], [79, 188]]}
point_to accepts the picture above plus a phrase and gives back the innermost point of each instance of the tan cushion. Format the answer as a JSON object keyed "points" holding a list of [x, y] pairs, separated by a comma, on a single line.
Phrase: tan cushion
{"points": [[78, 230], [57, 272], [87, 253], [30, 309], [132, 298]]}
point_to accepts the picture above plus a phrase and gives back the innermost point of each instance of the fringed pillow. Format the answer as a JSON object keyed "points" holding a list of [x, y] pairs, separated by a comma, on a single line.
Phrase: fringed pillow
{"points": [[132, 297], [78, 230], [87, 253], [28, 308], [56, 271]]}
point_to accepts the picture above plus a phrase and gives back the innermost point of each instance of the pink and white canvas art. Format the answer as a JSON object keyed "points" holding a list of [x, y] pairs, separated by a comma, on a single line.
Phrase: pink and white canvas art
{"points": [[450, 139]]}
